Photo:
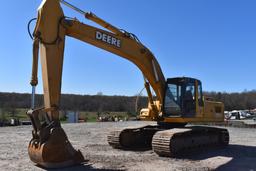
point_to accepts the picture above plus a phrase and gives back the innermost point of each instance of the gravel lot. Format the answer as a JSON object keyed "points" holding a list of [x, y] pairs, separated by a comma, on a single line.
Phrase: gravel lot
{"points": [[90, 138]]}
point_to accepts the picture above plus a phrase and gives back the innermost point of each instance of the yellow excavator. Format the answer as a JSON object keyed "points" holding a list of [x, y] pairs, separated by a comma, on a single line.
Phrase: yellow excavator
{"points": [[177, 101]]}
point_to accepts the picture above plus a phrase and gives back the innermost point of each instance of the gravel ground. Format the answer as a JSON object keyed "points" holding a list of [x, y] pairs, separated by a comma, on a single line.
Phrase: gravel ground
{"points": [[90, 138]]}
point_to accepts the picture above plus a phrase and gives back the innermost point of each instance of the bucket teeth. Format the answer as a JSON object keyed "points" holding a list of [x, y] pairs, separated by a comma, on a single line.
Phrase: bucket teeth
{"points": [[56, 152]]}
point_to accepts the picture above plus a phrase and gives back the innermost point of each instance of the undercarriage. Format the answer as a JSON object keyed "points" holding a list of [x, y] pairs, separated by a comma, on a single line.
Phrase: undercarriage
{"points": [[168, 142]]}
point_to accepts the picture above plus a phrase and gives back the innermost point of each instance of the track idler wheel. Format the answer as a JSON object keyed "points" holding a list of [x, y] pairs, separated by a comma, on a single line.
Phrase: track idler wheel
{"points": [[55, 152]]}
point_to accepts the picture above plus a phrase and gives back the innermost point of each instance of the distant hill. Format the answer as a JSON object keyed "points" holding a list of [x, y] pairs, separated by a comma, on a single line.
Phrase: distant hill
{"points": [[232, 101], [77, 102]]}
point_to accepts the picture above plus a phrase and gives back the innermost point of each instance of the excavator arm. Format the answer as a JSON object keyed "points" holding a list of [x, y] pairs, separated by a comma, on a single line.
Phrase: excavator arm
{"points": [[49, 139]]}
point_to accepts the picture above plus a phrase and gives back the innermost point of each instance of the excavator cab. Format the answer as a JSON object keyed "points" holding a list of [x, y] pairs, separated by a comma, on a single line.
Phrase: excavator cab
{"points": [[182, 96], [184, 103]]}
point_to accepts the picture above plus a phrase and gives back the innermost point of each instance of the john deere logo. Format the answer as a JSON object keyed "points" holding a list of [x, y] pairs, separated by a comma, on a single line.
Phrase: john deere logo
{"points": [[108, 39]]}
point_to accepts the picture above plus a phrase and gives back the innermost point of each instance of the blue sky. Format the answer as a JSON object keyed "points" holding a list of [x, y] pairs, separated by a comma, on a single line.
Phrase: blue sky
{"points": [[212, 40]]}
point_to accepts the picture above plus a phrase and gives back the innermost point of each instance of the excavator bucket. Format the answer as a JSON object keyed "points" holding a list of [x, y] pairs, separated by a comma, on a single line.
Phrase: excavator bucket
{"points": [[50, 147], [56, 152]]}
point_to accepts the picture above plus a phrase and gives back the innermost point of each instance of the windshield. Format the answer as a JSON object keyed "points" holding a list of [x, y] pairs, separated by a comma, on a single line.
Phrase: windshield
{"points": [[173, 99]]}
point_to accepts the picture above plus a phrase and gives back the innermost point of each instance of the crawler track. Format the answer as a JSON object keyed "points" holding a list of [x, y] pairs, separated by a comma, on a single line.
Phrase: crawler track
{"points": [[174, 142], [139, 138], [114, 138]]}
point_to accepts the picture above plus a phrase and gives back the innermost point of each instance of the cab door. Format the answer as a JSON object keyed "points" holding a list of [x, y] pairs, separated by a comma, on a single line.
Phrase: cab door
{"points": [[189, 99], [199, 99]]}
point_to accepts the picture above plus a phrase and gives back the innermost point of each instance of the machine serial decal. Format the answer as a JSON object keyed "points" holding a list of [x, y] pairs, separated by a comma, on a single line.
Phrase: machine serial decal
{"points": [[108, 39]]}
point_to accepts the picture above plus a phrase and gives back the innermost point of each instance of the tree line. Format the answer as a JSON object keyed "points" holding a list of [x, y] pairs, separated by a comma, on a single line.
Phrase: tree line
{"points": [[232, 101], [235, 101], [90, 103]]}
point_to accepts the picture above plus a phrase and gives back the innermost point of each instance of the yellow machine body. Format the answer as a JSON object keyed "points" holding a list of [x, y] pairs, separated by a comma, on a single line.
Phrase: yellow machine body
{"points": [[49, 39]]}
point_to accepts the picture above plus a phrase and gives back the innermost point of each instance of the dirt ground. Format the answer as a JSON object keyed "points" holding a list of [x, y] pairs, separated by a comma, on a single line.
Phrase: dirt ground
{"points": [[91, 139]]}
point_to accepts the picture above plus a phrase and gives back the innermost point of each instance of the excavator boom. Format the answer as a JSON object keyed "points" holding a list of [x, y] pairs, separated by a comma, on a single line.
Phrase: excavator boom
{"points": [[118, 42]]}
